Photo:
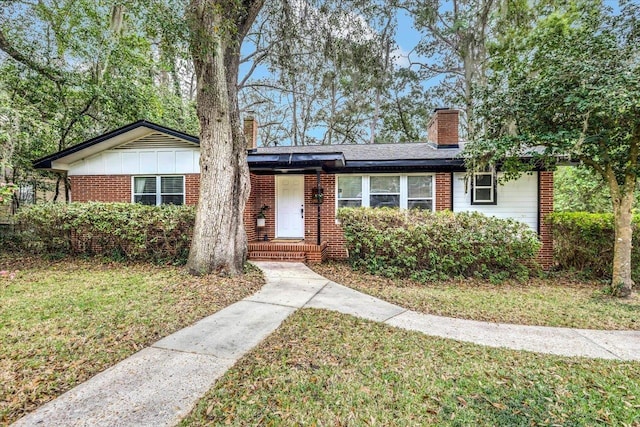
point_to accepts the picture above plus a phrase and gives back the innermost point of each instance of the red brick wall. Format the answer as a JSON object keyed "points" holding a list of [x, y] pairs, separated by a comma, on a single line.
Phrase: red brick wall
{"points": [[443, 191], [545, 195], [100, 188], [263, 192], [330, 232], [443, 127], [192, 187], [250, 213], [117, 188]]}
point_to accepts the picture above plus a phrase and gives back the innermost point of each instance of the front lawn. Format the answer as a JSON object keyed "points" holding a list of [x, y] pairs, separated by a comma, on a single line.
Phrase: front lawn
{"points": [[324, 368], [63, 322], [545, 302]]}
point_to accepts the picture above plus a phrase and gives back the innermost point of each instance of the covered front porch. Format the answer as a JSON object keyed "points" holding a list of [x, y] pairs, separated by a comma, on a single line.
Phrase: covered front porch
{"points": [[290, 213]]}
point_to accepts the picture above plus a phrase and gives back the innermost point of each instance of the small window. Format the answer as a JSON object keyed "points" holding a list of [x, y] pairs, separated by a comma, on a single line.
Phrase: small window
{"points": [[144, 190], [483, 190], [158, 190], [420, 192], [349, 191], [172, 190], [385, 191]]}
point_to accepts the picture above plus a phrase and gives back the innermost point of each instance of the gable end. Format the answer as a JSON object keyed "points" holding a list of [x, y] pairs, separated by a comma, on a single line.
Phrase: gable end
{"points": [[156, 140]]}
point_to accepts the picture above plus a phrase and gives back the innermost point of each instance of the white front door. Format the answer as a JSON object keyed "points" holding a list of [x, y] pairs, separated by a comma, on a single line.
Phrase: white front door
{"points": [[290, 206]]}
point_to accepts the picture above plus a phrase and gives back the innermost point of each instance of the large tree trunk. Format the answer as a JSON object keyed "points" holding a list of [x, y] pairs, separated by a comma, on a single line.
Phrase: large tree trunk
{"points": [[621, 281], [219, 240]]}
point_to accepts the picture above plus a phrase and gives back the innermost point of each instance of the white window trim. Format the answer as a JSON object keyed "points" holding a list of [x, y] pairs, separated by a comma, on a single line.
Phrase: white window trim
{"points": [[158, 192], [492, 188], [404, 188]]}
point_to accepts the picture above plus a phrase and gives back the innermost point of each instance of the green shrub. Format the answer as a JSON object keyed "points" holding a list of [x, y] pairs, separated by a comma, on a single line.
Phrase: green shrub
{"points": [[584, 242], [431, 246], [122, 231], [8, 240]]}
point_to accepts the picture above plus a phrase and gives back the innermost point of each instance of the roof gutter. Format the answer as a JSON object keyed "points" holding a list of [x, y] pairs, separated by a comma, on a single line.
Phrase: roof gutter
{"points": [[295, 161]]}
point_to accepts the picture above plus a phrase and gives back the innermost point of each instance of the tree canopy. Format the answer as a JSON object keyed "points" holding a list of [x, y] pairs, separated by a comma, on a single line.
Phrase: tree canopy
{"points": [[72, 69], [570, 89]]}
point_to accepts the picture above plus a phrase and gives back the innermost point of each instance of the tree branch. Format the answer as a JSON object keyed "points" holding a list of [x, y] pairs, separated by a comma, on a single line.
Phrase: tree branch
{"points": [[73, 121], [10, 50], [254, 65], [252, 8]]}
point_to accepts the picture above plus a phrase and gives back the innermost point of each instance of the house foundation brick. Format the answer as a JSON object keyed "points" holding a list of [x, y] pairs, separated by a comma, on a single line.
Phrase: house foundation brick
{"points": [[192, 188], [117, 188], [330, 232]]}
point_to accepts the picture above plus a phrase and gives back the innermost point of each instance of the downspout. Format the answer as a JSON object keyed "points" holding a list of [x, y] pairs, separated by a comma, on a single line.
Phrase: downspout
{"points": [[319, 206]]}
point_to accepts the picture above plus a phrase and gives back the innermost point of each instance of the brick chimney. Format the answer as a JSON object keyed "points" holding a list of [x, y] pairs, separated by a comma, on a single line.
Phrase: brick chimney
{"points": [[443, 128], [251, 132]]}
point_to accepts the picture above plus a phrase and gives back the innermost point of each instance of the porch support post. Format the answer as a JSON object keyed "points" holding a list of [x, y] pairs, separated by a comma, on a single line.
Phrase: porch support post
{"points": [[318, 205]]}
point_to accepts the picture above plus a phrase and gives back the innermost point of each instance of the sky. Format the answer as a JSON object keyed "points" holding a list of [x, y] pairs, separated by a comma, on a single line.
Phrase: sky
{"points": [[407, 37]]}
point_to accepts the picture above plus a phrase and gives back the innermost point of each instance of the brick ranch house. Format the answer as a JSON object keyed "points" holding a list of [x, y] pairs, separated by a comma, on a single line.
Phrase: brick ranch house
{"points": [[147, 163]]}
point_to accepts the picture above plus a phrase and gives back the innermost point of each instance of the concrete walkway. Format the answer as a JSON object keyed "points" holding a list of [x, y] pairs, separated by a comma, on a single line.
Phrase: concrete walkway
{"points": [[159, 385]]}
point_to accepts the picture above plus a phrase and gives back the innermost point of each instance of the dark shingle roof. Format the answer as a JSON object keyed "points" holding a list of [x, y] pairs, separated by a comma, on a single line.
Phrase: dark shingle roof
{"points": [[381, 152], [413, 157], [361, 157]]}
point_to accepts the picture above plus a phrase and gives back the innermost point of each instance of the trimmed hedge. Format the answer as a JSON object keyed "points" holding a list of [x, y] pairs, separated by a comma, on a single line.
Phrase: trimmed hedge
{"points": [[429, 246], [121, 231], [584, 241]]}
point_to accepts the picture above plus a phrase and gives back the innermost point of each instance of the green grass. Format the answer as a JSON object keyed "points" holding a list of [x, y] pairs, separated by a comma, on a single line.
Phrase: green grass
{"points": [[547, 302], [63, 322], [323, 368]]}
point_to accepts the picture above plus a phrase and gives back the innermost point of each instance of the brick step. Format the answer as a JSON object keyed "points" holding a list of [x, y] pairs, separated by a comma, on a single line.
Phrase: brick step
{"points": [[277, 256]]}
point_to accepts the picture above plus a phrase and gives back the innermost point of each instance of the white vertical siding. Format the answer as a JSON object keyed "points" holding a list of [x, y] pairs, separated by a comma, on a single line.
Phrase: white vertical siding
{"points": [[112, 164], [139, 162], [516, 199], [130, 161], [166, 162]]}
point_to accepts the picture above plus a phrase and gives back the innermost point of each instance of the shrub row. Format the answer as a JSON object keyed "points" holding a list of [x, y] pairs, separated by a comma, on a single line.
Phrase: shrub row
{"points": [[430, 246], [584, 241], [121, 231]]}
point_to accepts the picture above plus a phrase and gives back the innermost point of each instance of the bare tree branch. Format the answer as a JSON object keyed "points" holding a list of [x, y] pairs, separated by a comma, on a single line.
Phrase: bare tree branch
{"points": [[257, 61]]}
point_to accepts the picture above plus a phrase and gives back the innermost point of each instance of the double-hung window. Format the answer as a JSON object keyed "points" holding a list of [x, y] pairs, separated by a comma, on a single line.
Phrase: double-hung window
{"points": [[413, 191], [349, 191], [384, 191], [420, 192], [158, 190], [483, 189]]}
